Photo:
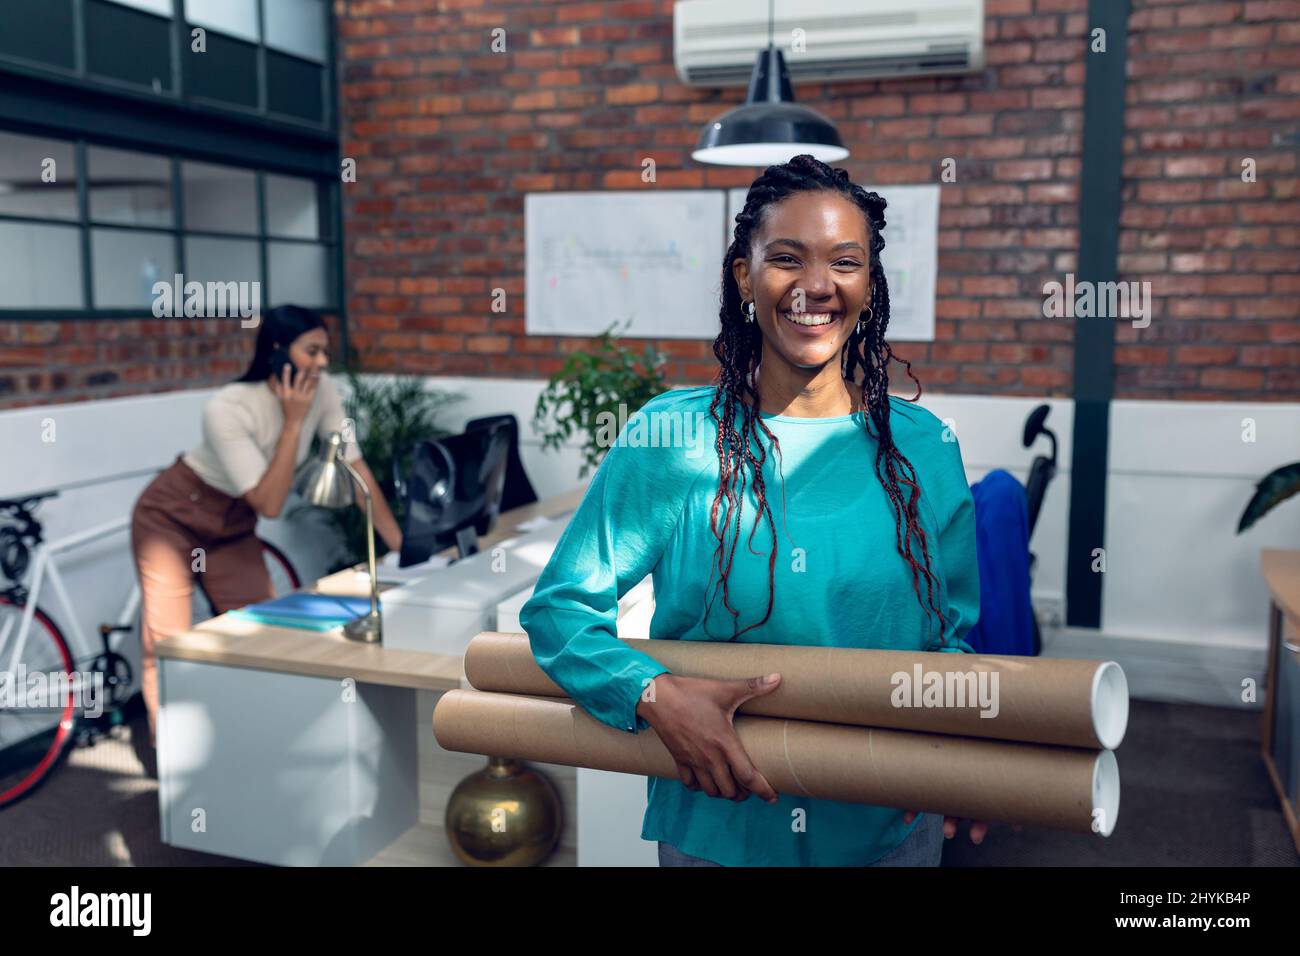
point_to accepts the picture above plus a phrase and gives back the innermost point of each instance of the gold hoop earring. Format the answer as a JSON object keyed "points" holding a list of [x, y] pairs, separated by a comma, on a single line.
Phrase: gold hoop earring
{"points": [[862, 324]]}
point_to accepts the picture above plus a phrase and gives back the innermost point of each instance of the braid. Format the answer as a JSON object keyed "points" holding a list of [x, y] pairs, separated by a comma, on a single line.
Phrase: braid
{"points": [[739, 348]]}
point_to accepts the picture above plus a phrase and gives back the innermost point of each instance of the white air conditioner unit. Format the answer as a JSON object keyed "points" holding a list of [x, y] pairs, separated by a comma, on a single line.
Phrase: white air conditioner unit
{"points": [[715, 41]]}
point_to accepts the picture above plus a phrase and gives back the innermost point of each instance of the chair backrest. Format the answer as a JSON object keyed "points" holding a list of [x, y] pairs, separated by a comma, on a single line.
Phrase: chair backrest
{"points": [[1041, 473], [518, 489]]}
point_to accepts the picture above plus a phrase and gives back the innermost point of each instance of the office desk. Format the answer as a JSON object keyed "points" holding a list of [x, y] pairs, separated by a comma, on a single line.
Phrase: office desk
{"points": [[1280, 737], [296, 747]]}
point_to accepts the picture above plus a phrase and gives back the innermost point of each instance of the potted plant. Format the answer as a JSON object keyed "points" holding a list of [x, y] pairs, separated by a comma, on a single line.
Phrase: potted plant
{"points": [[594, 383], [387, 415], [1273, 489]]}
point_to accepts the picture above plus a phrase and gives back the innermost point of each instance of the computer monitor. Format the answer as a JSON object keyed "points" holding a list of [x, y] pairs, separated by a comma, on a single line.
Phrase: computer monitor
{"points": [[451, 491]]}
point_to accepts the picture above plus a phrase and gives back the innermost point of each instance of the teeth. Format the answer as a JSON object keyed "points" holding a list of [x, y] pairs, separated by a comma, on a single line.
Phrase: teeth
{"points": [[809, 318]]}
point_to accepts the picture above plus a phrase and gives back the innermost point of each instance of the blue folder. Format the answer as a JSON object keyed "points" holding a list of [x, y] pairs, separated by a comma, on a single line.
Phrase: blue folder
{"points": [[304, 609]]}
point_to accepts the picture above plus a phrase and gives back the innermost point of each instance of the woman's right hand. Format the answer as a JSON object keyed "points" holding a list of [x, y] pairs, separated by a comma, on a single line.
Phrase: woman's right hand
{"points": [[692, 716], [295, 399]]}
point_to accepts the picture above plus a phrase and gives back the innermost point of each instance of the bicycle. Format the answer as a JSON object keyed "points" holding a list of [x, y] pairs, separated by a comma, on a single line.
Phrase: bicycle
{"points": [[33, 743]]}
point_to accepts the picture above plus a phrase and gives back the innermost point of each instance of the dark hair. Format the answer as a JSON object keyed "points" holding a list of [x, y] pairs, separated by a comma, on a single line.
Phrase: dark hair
{"points": [[279, 327], [739, 347]]}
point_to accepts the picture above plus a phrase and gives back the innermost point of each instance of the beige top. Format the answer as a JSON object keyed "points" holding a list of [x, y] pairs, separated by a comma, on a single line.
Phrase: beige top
{"points": [[241, 427]]}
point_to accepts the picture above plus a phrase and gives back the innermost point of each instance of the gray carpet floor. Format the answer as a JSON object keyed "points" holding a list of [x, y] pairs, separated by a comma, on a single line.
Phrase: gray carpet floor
{"points": [[1194, 793], [100, 808]]}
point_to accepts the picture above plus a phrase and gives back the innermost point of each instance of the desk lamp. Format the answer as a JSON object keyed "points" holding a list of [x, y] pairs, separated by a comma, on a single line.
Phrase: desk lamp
{"points": [[330, 482]]}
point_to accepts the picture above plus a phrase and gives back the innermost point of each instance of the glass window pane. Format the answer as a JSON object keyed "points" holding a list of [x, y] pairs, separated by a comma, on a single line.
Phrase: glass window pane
{"points": [[299, 274], [229, 271], [291, 210], [125, 44], [38, 30], [38, 177], [40, 266], [294, 87], [236, 18], [226, 72], [161, 7], [221, 260], [298, 27], [219, 198], [126, 265], [132, 189]]}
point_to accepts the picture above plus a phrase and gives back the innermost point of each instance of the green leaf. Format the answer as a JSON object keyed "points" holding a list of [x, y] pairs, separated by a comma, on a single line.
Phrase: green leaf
{"points": [[1273, 489], [593, 382]]}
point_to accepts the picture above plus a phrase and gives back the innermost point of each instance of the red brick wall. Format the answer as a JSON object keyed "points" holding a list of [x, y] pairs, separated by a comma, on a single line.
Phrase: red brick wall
{"points": [[449, 137], [50, 362], [1211, 84]]}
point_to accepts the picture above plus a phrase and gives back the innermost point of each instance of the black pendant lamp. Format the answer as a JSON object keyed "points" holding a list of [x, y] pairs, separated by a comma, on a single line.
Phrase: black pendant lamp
{"points": [[769, 127]]}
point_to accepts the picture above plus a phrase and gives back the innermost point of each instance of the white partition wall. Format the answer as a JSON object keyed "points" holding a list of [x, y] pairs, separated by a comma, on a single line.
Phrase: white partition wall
{"points": [[1181, 474]]}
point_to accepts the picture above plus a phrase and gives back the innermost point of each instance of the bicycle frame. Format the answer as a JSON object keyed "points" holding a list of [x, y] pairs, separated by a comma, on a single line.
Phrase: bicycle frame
{"points": [[46, 553]]}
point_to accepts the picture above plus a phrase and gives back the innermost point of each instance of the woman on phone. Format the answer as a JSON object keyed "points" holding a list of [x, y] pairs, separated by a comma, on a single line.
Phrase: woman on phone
{"points": [[195, 522], [863, 532]]}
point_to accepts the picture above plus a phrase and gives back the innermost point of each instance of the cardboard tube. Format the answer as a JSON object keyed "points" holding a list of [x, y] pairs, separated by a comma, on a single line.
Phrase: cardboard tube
{"points": [[1070, 703], [1033, 784]]}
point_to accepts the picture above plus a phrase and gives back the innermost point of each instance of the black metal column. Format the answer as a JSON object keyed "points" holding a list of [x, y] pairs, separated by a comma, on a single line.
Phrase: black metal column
{"points": [[1094, 338]]}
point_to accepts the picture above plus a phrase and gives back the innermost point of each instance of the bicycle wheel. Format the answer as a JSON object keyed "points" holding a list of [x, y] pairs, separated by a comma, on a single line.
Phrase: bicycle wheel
{"points": [[284, 578], [34, 740]]}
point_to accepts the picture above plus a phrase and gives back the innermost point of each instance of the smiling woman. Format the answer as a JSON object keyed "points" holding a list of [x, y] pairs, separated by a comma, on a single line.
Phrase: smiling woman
{"points": [[873, 546], [805, 262]]}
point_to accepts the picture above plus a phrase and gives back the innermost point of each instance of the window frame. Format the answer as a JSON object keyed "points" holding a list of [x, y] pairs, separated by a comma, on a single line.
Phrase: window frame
{"points": [[329, 214], [179, 95]]}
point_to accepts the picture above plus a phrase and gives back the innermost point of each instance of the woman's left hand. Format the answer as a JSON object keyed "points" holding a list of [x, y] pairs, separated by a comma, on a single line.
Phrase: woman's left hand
{"points": [[978, 828]]}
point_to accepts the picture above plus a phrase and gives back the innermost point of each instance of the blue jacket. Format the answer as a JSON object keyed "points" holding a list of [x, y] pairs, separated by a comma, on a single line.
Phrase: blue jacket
{"points": [[1006, 621]]}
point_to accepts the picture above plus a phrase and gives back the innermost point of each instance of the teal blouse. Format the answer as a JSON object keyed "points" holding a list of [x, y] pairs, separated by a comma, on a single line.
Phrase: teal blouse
{"points": [[839, 580]]}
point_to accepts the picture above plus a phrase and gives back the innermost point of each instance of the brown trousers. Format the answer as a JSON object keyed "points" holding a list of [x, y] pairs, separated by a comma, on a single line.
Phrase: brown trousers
{"points": [[185, 531]]}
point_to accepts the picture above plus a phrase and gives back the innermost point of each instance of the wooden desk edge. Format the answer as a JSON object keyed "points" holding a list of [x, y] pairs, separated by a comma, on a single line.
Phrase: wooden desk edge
{"points": [[418, 670], [1281, 570]]}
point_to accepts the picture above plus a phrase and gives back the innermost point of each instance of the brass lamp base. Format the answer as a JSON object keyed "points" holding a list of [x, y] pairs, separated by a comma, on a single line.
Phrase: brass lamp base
{"points": [[507, 814], [368, 629]]}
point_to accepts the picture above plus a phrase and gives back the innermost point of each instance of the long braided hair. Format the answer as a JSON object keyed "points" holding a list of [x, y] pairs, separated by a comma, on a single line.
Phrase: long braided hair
{"points": [[739, 348]]}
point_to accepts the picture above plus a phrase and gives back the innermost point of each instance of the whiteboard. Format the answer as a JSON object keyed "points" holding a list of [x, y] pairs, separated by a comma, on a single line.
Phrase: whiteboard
{"points": [[646, 260], [911, 247]]}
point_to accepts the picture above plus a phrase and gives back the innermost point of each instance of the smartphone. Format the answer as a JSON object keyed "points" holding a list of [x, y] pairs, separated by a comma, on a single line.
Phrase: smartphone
{"points": [[279, 359]]}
